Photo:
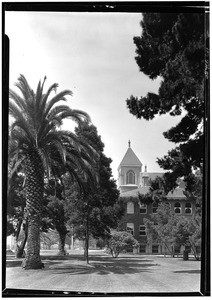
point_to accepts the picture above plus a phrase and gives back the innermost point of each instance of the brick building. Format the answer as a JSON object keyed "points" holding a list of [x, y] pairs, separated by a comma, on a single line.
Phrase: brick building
{"points": [[133, 180]]}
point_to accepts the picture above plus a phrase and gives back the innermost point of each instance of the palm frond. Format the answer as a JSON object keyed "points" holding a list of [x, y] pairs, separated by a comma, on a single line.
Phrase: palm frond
{"points": [[25, 136], [57, 144], [20, 102], [13, 168], [76, 177], [20, 115], [46, 128], [39, 94], [44, 155], [20, 137], [50, 137], [12, 146], [76, 115], [59, 97], [55, 111], [84, 165], [53, 87], [24, 87]]}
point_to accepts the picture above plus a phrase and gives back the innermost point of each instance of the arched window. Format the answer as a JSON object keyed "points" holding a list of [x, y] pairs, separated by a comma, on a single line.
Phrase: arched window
{"points": [[130, 207], [130, 177], [177, 208], [154, 207], [130, 228], [143, 208], [188, 209]]}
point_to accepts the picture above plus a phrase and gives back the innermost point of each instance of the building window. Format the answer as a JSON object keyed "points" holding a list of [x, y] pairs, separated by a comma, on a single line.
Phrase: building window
{"points": [[130, 228], [177, 208], [154, 207], [154, 249], [130, 177], [130, 207], [188, 209], [142, 230], [143, 208], [142, 248]]}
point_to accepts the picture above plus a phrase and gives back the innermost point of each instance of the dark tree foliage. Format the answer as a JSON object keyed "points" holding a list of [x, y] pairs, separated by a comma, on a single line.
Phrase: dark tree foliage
{"points": [[173, 46], [105, 207], [55, 212], [96, 210], [17, 223], [16, 203]]}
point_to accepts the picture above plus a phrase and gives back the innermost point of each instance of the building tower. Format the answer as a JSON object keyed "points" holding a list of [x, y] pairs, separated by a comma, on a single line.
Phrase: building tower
{"points": [[129, 171]]}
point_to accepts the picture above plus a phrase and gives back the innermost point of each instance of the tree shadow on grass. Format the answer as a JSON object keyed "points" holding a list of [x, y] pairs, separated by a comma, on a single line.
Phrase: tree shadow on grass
{"points": [[102, 265], [189, 271], [105, 267], [17, 263], [13, 263]]}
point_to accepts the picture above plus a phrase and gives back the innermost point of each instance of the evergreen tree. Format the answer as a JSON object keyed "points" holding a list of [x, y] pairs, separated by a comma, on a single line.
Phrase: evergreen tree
{"points": [[173, 46], [97, 210]]}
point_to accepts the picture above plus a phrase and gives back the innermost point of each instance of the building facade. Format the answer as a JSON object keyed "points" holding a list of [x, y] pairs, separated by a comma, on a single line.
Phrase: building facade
{"points": [[133, 180]]}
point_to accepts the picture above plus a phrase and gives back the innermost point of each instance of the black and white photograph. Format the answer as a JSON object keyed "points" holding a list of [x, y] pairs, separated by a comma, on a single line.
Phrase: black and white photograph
{"points": [[105, 159]]}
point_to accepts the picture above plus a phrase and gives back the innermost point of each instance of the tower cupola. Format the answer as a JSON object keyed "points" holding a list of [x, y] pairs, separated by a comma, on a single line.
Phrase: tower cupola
{"points": [[129, 170]]}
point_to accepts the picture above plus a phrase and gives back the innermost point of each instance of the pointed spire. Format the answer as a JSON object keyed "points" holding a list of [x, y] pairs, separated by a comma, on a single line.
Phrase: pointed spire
{"points": [[130, 159]]}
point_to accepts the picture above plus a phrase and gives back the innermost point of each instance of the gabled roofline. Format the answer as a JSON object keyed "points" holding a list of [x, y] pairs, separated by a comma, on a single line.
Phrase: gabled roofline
{"points": [[130, 165]]}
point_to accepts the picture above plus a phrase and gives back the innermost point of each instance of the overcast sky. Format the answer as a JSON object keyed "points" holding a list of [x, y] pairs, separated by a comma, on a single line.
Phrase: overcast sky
{"points": [[93, 55]]}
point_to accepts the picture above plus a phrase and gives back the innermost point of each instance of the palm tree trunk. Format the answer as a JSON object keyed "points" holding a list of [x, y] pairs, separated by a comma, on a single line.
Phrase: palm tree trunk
{"points": [[34, 196]]}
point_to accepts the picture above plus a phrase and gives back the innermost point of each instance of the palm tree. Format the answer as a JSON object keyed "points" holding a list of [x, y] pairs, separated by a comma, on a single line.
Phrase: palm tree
{"points": [[39, 145]]}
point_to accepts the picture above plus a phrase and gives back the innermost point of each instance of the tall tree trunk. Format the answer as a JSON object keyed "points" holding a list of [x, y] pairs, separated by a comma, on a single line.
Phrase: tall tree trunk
{"points": [[61, 247], [20, 249], [34, 195], [173, 251], [32, 259], [16, 238], [86, 241]]}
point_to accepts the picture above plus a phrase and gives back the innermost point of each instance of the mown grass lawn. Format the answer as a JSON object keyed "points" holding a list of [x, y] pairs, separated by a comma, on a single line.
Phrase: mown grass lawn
{"points": [[104, 274]]}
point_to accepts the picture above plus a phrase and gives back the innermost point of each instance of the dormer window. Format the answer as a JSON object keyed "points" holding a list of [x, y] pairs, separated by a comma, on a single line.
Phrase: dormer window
{"points": [[177, 208], [130, 177], [188, 209], [143, 208], [130, 228], [130, 207]]}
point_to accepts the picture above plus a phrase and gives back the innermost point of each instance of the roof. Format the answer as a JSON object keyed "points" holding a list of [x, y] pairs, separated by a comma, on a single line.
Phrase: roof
{"points": [[153, 176], [177, 193], [130, 159], [134, 193]]}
